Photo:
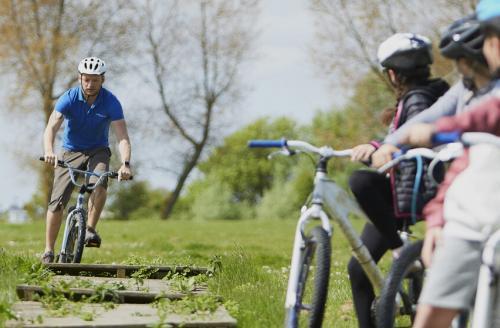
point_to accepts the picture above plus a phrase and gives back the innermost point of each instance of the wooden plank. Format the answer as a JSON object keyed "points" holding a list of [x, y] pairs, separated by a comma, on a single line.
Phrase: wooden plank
{"points": [[25, 292], [151, 285], [123, 315], [113, 270]]}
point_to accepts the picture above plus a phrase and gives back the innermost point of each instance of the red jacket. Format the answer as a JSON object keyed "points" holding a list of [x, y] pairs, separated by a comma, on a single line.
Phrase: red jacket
{"points": [[484, 117]]}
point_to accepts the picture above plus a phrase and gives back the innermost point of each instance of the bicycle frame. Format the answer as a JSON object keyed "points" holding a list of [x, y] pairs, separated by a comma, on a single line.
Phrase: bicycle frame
{"points": [[487, 289], [81, 197], [327, 195]]}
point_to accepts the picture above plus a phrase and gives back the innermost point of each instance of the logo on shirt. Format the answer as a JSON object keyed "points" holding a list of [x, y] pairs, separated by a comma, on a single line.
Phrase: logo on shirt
{"points": [[101, 115]]}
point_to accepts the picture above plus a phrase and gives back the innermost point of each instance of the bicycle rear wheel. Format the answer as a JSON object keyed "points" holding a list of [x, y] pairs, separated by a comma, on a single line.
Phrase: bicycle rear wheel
{"points": [[399, 296], [76, 239], [312, 292]]}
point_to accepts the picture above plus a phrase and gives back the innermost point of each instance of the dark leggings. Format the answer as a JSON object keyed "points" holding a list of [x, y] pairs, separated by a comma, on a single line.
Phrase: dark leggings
{"points": [[373, 193]]}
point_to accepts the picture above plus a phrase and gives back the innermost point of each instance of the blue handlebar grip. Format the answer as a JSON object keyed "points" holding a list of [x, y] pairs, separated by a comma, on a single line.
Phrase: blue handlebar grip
{"points": [[267, 143], [402, 150], [445, 137]]}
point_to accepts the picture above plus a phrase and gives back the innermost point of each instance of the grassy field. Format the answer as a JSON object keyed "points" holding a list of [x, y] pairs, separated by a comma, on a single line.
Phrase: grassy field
{"points": [[255, 256]]}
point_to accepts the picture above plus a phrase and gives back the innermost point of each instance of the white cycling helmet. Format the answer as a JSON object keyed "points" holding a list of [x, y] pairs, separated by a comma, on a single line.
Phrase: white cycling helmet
{"points": [[92, 65], [405, 51]]}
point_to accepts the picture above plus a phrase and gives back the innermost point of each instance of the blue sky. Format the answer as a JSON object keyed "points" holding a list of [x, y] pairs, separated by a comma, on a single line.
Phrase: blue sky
{"points": [[282, 82]]}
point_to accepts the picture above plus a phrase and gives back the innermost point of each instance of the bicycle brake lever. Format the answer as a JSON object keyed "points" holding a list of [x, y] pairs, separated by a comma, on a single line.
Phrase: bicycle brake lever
{"points": [[284, 151]]}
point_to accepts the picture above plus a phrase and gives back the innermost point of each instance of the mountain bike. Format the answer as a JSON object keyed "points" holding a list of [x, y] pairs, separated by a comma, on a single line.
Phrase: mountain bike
{"points": [[310, 266], [76, 221]]}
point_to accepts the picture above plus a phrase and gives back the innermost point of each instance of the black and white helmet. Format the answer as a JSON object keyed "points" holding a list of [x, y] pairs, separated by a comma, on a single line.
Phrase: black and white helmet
{"points": [[463, 38], [405, 51], [92, 65]]}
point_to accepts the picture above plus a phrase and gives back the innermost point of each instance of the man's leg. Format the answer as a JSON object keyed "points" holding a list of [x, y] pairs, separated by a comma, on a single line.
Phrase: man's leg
{"points": [[429, 316], [53, 225], [61, 193], [99, 163], [96, 203]]}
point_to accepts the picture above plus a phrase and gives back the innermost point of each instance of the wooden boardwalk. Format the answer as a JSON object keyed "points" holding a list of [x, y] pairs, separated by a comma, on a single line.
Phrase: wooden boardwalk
{"points": [[134, 297]]}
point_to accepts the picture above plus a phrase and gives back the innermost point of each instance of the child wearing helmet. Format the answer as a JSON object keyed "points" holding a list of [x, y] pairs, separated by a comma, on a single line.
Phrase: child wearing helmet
{"points": [[406, 59], [462, 42]]}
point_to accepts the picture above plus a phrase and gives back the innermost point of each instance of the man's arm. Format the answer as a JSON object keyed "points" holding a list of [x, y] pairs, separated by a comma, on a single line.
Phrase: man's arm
{"points": [[55, 121], [124, 147]]}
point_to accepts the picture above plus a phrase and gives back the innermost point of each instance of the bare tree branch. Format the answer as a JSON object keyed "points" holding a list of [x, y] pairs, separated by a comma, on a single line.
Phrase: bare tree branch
{"points": [[199, 70]]}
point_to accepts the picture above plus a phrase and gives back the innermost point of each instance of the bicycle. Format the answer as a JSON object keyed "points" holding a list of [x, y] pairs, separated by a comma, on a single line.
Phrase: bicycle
{"points": [[312, 247], [487, 292], [76, 221], [404, 281]]}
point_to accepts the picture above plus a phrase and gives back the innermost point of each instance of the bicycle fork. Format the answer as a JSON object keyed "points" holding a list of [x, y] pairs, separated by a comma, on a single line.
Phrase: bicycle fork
{"points": [[314, 212], [488, 294], [69, 217]]}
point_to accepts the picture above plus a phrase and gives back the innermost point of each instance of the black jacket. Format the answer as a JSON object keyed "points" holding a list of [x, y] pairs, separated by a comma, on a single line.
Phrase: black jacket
{"points": [[413, 102]]}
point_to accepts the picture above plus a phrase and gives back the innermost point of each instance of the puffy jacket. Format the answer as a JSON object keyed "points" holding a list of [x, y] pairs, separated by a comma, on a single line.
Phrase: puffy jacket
{"points": [[412, 103]]}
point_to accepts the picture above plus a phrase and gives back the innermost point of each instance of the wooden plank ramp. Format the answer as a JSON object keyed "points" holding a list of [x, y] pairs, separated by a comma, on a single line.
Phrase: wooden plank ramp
{"points": [[123, 315], [119, 270]]}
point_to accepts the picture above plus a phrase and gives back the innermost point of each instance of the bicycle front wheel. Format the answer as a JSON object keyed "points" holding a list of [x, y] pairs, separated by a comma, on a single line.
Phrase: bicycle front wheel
{"points": [[399, 296], [76, 239], [312, 289]]}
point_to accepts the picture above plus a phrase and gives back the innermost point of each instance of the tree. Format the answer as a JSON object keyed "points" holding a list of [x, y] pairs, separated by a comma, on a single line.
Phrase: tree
{"points": [[357, 27], [248, 172], [237, 181], [196, 51], [136, 200], [41, 43]]}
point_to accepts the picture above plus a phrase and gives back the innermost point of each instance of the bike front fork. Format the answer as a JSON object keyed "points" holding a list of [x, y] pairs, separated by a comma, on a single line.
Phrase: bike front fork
{"points": [[307, 214], [66, 233]]}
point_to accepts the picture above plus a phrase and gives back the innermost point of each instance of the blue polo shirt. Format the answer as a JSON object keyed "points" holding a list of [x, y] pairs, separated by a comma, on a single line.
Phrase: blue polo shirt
{"points": [[87, 127]]}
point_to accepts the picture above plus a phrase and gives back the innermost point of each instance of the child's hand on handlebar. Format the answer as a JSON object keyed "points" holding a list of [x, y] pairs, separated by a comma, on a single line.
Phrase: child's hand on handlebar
{"points": [[362, 153], [419, 135], [383, 155]]}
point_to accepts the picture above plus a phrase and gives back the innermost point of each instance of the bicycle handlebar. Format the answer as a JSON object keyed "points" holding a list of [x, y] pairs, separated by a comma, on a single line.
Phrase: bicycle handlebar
{"points": [[59, 162], [401, 156], [267, 143], [72, 170], [455, 141], [299, 145], [467, 138], [445, 137]]}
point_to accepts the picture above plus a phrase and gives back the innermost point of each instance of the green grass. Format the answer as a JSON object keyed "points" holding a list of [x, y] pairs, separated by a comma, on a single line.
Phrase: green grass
{"points": [[255, 257]]}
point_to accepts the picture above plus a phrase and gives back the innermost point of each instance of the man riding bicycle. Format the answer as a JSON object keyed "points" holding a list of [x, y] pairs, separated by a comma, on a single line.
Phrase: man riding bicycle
{"points": [[89, 110]]}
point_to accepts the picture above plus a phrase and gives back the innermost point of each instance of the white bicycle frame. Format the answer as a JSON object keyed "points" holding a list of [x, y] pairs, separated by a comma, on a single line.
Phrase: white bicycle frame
{"points": [[325, 206]]}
